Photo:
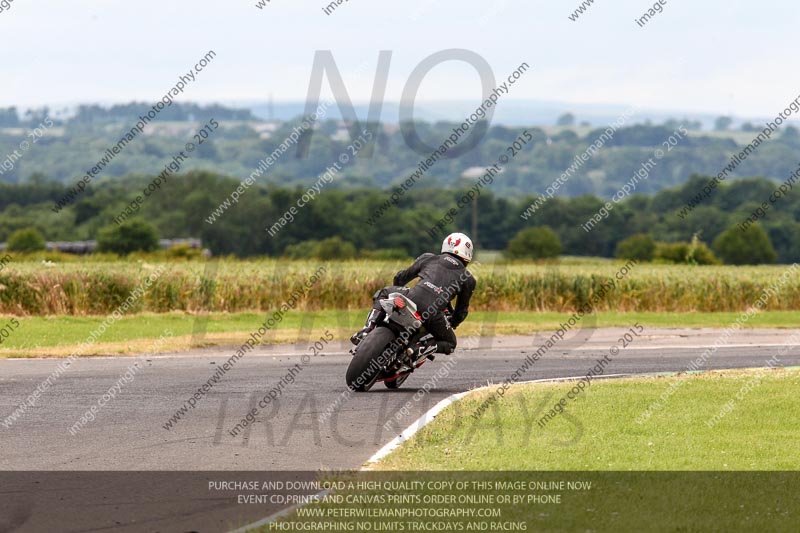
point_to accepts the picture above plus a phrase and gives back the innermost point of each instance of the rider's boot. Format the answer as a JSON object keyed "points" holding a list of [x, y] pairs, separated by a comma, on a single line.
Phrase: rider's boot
{"points": [[416, 352], [369, 325]]}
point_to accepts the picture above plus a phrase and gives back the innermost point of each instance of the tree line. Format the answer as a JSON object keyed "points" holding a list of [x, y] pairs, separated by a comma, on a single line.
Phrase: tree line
{"points": [[182, 209]]}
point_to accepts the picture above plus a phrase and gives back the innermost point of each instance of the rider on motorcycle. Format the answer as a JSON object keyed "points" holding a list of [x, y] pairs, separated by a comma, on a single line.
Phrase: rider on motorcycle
{"points": [[442, 278]]}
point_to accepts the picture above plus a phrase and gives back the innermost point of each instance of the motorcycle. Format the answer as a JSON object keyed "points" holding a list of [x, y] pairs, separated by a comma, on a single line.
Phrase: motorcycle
{"points": [[396, 347]]}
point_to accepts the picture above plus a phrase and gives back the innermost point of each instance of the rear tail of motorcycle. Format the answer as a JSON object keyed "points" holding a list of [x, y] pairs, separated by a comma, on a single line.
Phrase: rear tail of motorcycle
{"points": [[376, 356]]}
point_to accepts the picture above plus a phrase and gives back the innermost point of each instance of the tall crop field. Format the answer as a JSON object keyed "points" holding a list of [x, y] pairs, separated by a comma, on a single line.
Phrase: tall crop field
{"points": [[96, 288]]}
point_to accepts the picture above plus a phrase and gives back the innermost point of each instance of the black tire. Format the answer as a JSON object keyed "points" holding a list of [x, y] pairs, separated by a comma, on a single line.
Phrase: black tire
{"points": [[395, 383], [362, 373]]}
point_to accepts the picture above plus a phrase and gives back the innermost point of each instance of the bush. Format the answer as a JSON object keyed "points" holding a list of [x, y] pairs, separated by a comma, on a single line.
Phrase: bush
{"points": [[685, 253], [182, 251], [133, 236], [327, 249], [640, 247], [749, 247], [700, 254], [385, 254], [26, 240], [335, 248], [534, 243], [301, 250], [672, 252]]}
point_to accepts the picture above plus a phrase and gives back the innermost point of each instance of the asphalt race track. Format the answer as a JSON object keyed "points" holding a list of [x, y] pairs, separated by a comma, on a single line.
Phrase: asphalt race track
{"points": [[292, 433]]}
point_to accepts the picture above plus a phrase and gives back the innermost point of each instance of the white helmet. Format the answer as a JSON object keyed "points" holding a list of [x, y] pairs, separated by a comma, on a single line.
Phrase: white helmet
{"points": [[459, 245]]}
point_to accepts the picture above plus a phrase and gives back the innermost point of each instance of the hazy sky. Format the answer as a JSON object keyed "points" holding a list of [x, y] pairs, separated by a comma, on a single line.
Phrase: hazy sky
{"points": [[731, 56]]}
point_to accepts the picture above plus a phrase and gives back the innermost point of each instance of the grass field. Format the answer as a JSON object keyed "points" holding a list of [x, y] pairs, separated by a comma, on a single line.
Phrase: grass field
{"points": [[61, 336], [600, 431], [98, 287]]}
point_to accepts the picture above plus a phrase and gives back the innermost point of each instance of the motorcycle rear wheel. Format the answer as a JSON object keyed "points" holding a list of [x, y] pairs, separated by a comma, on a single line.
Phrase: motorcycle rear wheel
{"points": [[362, 372]]}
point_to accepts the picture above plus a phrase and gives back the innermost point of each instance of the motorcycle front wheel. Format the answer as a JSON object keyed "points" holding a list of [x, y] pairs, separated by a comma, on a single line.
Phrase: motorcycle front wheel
{"points": [[365, 366]]}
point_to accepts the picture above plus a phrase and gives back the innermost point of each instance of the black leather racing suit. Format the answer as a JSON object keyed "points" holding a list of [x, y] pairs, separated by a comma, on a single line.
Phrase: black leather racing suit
{"points": [[442, 278]]}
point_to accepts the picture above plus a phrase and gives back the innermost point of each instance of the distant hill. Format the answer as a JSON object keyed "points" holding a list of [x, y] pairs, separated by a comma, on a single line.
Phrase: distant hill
{"points": [[73, 145], [508, 113]]}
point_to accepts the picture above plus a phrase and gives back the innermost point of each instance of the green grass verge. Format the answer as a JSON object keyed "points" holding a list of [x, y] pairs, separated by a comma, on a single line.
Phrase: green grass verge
{"points": [[596, 501], [61, 335], [599, 430], [672, 472]]}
